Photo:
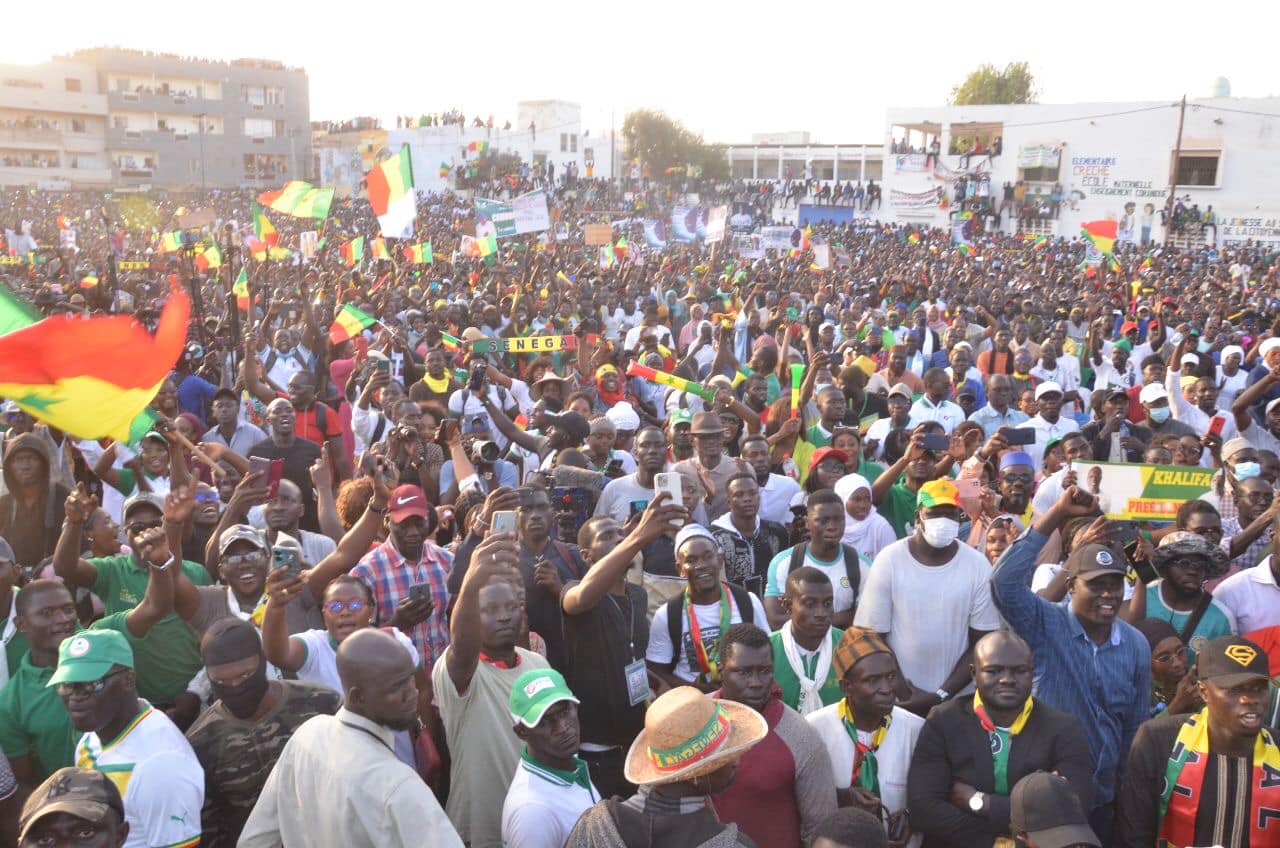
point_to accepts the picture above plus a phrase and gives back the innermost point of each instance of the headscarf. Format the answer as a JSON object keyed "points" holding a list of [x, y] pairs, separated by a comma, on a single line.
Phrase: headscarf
{"points": [[855, 531]]}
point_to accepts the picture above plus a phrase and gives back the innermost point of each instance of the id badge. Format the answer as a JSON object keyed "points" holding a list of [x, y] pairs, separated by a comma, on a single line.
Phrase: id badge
{"points": [[637, 682]]}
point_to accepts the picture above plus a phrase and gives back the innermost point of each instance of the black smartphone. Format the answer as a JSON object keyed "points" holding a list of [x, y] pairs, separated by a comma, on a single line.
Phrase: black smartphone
{"points": [[615, 465], [1019, 436], [420, 592], [383, 365], [935, 442], [476, 382]]}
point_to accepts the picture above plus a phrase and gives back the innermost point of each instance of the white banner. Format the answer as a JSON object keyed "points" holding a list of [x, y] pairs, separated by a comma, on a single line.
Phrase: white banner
{"points": [[914, 200], [748, 246], [531, 212], [716, 219], [1260, 229], [1038, 156], [910, 163], [780, 238], [307, 241]]}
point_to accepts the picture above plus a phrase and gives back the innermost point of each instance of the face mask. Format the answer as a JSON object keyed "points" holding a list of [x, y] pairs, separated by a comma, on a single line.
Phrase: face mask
{"points": [[818, 387], [940, 532], [1245, 470], [244, 697], [1160, 414]]}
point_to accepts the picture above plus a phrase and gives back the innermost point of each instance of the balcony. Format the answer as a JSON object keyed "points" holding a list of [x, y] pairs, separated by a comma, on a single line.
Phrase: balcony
{"points": [[55, 178], [43, 101], [188, 104]]}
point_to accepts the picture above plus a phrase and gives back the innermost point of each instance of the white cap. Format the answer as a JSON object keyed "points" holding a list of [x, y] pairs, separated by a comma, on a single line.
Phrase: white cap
{"points": [[1230, 349], [1190, 359], [692, 531], [624, 417], [1047, 387], [1269, 345], [1152, 392], [1271, 404]]}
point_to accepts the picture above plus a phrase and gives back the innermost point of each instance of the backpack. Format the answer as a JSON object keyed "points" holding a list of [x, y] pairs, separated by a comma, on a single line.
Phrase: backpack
{"points": [[675, 614], [852, 566]]}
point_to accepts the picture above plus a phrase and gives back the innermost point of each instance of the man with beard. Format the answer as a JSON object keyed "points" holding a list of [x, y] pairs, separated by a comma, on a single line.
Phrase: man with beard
{"points": [[777, 491], [929, 598], [35, 731], [954, 799], [784, 787], [1090, 663], [551, 788], [1208, 778], [710, 465], [240, 737], [388, 806], [124, 737], [283, 513], [407, 574], [1015, 483], [437, 383], [1184, 561]]}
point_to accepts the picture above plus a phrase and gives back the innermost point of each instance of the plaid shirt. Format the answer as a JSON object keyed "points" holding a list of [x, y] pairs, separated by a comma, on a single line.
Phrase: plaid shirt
{"points": [[389, 576]]}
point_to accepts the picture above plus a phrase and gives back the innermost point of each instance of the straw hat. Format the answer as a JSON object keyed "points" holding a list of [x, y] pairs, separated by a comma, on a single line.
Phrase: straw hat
{"points": [[688, 734]]}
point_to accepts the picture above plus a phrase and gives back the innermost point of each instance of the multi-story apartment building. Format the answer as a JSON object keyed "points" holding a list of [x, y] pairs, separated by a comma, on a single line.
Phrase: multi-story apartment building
{"points": [[53, 120]]}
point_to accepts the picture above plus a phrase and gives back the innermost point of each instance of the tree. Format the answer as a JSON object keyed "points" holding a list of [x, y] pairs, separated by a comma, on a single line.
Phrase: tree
{"points": [[988, 84], [663, 142]]}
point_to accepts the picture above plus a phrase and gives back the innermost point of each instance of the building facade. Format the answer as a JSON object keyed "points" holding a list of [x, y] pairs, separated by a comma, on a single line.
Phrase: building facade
{"points": [[53, 125], [110, 117], [794, 156], [1048, 168]]}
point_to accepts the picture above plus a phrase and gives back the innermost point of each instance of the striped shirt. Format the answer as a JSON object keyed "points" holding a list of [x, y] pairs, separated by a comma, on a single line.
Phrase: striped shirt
{"points": [[1107, 687], [389, 576]]}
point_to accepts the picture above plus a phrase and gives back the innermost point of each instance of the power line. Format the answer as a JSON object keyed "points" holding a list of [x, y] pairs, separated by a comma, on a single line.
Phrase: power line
{"points": [[1234, 111], [1089, 117]]}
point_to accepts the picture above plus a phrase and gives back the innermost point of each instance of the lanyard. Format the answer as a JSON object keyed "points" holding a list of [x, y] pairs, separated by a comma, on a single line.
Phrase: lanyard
{"points": [[368, 732], [630, 618], [709, 666]]}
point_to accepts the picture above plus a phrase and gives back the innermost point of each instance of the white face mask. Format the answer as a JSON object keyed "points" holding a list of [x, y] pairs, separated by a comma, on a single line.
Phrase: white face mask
{"points": [[940, 532]]}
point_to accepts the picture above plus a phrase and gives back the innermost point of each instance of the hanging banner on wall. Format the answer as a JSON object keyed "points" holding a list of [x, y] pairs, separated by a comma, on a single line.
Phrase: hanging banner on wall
{"points": [[1238, 229], [914, 200], [911, 163], [1039, 156]]}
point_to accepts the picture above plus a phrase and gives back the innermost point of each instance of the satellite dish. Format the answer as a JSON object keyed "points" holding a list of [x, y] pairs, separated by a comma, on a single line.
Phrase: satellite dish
{"points": [[1222, 87]]}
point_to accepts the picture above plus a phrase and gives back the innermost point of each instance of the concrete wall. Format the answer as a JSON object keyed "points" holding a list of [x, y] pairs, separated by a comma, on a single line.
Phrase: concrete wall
{"points": [[1109, 159], [50, 133]]}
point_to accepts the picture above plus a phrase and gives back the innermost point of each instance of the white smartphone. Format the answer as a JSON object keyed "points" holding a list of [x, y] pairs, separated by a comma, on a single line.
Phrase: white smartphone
{"points": [[669, 482], [504, 521]]}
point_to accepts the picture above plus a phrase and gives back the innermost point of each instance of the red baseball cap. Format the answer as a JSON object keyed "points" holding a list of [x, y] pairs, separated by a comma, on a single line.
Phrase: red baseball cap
{"points": [[407, 500]]}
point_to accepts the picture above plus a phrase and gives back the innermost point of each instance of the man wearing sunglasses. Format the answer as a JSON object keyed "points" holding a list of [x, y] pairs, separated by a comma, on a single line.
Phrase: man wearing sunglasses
{"points": [[125, 737], [168, 652]]}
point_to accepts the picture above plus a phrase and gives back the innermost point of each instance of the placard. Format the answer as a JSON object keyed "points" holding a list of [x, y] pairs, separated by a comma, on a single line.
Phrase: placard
{"points": [[1142, 492], [596, 234]]}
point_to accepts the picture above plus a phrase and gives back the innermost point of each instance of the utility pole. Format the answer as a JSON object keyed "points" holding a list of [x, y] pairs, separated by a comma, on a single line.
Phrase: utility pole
{"points": [[1173, 173], [201, 118]]}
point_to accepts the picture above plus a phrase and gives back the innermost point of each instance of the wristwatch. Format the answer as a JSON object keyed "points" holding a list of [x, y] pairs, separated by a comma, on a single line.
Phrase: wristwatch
{"points": [[977, 802], [943, 694], [170, 561]]}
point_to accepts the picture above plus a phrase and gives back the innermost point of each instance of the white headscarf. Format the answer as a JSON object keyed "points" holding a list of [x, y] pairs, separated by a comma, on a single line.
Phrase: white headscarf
{"points": [[855, 531]]}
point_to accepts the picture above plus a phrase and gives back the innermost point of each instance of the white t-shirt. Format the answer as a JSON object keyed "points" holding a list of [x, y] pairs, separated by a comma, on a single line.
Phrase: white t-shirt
{"points": [[466, 406], [542, 807], [843, 597], [321, 662], [775, 498], [158, 775], [660, 650], [928, 610], [661, 333]]}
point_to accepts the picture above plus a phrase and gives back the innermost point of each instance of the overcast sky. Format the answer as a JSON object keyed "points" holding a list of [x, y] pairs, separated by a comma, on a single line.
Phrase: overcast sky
{"points": [[726, 70]]}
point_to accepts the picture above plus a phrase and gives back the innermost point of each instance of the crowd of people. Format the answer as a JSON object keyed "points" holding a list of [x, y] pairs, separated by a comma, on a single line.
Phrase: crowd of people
{"points": [[845, 577]]}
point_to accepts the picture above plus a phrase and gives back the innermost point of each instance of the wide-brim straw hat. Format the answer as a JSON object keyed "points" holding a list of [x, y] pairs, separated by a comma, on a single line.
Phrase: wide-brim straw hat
{"points": [[688, 734]]}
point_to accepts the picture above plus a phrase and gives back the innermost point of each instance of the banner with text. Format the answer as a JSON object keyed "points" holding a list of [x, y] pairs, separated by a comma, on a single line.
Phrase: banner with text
{"points": [[911, 163], [1038, 156], [1142, 492], [1260, 229], [914, 200]]}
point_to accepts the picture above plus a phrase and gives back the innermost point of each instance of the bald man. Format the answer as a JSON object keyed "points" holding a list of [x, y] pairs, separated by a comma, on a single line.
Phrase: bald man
{"points": [[952, 795], [358, 793]]}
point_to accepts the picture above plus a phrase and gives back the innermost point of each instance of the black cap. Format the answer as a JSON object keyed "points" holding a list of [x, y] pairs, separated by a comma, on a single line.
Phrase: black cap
{"points": [[83, 793], [1231, 660], [226, 391], [572, 423], [1044, 806], [1093, 561]]}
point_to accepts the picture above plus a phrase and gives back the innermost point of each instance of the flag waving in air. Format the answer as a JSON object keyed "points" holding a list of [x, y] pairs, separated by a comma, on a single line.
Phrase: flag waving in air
{"points": [[390, 188], [92, 377], [299, 199], [241, 290], [348, 323], [353, 251], [263, 231], [1101, 233]]}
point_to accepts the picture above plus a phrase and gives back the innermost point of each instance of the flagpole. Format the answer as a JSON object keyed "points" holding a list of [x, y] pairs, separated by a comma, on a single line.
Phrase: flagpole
{"points": [[232, 307]]}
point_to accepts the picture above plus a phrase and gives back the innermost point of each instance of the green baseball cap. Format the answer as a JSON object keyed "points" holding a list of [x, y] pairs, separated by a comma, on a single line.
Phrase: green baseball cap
{"points": [[90, 655], [680, 416], [534, 692]]}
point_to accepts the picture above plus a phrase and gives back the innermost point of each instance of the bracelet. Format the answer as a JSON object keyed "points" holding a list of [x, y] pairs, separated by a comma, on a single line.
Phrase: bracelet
{"points": [[377, 509]]}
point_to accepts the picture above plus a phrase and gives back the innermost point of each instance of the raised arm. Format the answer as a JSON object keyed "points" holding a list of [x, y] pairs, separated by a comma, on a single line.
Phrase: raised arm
{"points": [[357, 541], [249, 371], [284, 653], [495, 557], [67, 562], [506, 426], [1250, 396], [326, 505], [604, 573], [157, 602]]}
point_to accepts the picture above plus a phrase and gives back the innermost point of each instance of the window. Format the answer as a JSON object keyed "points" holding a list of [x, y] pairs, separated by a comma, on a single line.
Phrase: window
{"points": [[573, 142], [1199, 168], [564, 142], [120, 122], [77, 125], [72, 84], [259, 127], [1038, 175]]}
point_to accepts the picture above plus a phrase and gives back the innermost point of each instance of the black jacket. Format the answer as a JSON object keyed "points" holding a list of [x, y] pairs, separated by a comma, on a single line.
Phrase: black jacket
{"points": [[953, 746]]}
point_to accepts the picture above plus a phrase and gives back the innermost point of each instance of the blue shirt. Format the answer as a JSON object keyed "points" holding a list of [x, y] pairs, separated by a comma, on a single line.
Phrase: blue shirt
{"points": [[1107, 687], [990, 421], [195, 394], [504, 471]]}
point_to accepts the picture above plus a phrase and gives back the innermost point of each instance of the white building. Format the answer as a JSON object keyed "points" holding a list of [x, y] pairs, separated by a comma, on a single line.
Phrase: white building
{"points": [[545, 131], [793, 155], [53, 126], [1111, 161]]}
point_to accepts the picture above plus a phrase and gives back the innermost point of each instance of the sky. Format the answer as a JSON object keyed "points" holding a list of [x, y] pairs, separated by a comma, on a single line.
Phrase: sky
{"points": [[830, 68]]}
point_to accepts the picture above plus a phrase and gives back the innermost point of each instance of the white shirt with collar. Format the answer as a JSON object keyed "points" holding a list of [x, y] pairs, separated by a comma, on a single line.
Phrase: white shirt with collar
{"points": [[1252, 596], [1046, 431], [775, 498], [542, 807], [948, 414]]}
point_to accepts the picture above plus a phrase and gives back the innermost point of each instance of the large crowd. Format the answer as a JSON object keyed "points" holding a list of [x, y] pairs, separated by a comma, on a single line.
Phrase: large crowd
{"points": [[844, 577]]}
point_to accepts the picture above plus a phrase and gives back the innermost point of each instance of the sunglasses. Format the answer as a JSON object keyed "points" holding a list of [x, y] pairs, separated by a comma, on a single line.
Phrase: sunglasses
{"points": [[142, 526], [242, 559], [337, 607], [1017, 478], [92, 687]]}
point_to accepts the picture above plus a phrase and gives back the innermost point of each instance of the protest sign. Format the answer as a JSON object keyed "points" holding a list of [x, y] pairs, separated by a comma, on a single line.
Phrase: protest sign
{"points": [[1142, 492], [716, 219], [597, 234], [776, 238]]}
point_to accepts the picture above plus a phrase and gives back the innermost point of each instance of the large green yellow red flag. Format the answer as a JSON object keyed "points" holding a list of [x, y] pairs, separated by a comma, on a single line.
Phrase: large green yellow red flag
{"points": [[353, 251], [208, 256], [1101, 233], [299, 199], [390, 192], [92, 377], [263, 230], [349, 322]]}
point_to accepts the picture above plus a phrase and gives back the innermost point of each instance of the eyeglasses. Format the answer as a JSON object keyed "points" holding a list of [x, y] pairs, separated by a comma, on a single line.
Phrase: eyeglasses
{"points": [[1211, 533], [243, 559], [1164, 658], [1258, 497], [142, 526], [1193, 565], [1017, 478], [336, 607], [92, 687], [206, 497]]}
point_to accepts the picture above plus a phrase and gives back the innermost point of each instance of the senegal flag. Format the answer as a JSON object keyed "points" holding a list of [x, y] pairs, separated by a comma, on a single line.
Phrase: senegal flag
{"points": [[15, 313], [92, 377], [299, 199], [350, 322], [419, 254], [390, 191], [353, 251], [263, 231], [1101, 233], [378, 249], [170, 242], [241, 289], [208, 256]]}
